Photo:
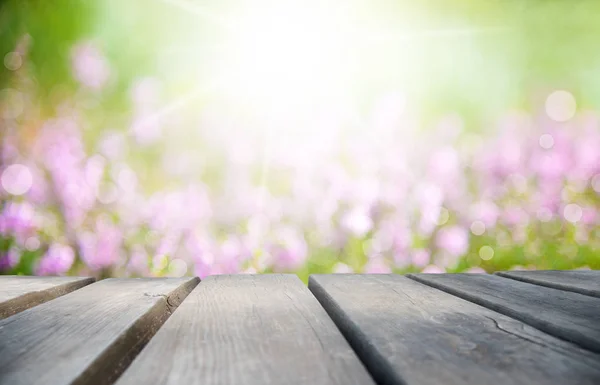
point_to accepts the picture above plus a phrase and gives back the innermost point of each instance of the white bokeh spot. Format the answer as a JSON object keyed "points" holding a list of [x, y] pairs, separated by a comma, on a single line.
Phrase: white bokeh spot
{"points": [[572, 213], [477, 228], [177, 268], [486, 253], [13, 61], [546, 141], [561, 106], [32, 243], [16, 179]]}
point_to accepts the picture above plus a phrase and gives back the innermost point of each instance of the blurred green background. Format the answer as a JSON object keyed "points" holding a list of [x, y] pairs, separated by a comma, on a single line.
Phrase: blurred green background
{"points": [[480, 61]]}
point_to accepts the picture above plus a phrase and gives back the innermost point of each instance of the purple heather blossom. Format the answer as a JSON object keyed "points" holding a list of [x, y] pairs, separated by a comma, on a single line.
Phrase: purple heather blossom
{"points": [[113, 145], [433, 269], [230, 255], [377, 266], [453, 240], [384, 187], [289, 251], [17, 219], [590, 216], [420, 258], [146, 128], [515, 216], [39, 193], [357, 221], [204, 264], [444, 165], [401, 260], [587, 154], [9, 259], [342, 268], [57, 261], [90, 67], [102, 248], [139, 260], [486, 212]]}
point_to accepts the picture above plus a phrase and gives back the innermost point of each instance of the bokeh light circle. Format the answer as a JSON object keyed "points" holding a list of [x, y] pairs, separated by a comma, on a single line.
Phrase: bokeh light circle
{"points": [[546, 141], [573, 213], [477, 228], [13, 61], [486, 253], [32, 243], [16, 179], [561, 106], [177, 268]]}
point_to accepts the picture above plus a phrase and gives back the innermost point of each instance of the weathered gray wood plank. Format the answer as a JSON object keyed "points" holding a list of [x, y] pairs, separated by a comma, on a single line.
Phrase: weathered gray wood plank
{"points": [[18, 293], [408, 333], [571, 316], [88, 336], [247, 329], [580, 281]]}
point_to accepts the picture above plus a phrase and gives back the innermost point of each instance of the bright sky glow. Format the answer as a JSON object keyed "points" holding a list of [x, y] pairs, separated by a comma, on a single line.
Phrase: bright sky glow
{"points": [[289, 52], [288, 57]]}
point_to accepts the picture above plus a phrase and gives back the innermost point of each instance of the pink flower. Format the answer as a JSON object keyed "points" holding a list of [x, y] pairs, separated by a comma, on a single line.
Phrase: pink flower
{"points": [[90, 67], [17, 220], [444, 165], [586, 154], [402, 259], [10, 259], [289, 252], [57, 260], [432, 269], [453, 240], [146, 128], [358, 222], [102, 248], [138, 262], [342, 268], [486, 212], [590, 215], [420, 257], [377, 266], [113, 145], [514, 216]]}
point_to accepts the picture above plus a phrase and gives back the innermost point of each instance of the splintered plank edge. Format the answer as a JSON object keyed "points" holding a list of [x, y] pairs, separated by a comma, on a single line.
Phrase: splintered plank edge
{"points": [[18, 293], [95, 331]]}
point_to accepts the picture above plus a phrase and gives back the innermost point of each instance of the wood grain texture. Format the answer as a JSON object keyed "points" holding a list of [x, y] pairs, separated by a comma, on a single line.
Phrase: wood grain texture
{"points": [[408, 333], [571, 316], [579, 281], [18, 293], [248, 329], [88, 336]]}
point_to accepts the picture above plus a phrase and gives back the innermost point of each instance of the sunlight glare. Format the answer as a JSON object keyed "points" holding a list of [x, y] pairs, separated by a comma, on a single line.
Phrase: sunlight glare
{"points": [[289, 52]]}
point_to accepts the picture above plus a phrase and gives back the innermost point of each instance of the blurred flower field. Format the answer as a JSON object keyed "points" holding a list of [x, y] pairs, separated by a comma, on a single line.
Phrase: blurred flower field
{"points": [[105, 185]]}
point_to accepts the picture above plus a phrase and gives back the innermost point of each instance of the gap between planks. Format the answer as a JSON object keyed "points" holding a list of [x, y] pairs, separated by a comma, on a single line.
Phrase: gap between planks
{"points": [[19, 293], [89, 336], [568, 315]]}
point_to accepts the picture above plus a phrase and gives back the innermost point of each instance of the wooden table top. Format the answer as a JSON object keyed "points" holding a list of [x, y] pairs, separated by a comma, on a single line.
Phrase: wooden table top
{"points": [[521, 327]]}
